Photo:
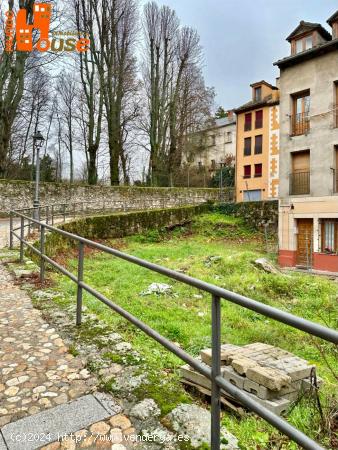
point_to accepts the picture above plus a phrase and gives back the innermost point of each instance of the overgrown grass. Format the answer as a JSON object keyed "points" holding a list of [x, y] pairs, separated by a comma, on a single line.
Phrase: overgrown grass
{"points": [[219, 250]]}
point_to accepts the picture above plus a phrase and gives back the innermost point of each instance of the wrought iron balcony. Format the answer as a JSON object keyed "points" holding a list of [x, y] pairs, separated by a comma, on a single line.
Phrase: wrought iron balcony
{"points": [[300, 124], [300, 183]]}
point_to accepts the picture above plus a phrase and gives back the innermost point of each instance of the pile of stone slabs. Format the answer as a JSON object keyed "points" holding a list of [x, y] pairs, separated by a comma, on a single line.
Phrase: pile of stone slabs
{"points": [[270, 375]]}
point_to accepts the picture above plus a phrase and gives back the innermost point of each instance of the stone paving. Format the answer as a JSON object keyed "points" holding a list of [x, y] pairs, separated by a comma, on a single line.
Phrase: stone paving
{"points": [[36, 371]]}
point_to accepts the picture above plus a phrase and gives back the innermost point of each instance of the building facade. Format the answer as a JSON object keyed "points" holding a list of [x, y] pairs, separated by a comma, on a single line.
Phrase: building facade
{"points": [[209, 147], [257, 145], [308, 211]]}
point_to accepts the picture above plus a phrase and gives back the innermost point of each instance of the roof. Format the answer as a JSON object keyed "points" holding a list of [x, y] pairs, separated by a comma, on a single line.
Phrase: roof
{"points": [[264, 82], [305, 27], [254, 104], [224, 121], [333, 18], [313, 52]]}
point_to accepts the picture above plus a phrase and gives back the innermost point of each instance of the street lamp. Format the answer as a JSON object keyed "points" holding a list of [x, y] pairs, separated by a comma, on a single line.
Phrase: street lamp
{"points": [[38, 141]]}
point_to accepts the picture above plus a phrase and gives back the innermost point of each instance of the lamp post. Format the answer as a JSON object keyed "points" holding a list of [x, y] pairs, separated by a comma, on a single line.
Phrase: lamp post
{"points": [[38, 141]]}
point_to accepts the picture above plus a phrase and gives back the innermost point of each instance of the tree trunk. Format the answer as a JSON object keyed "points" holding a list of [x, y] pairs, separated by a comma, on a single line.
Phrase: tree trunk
{"points": [[92, 170]]}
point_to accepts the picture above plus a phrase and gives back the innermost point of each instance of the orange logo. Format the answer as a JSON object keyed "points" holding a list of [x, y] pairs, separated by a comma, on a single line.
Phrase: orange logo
{"points": [[41, 21]]}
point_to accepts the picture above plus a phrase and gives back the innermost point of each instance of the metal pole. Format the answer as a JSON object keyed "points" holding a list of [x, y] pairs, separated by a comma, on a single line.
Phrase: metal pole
{"points": [[11, 231], [47, 215], [36, 202], [53, 215], [22, 237], [64, 212], [42, 250], [79, 288], [216, 371]]}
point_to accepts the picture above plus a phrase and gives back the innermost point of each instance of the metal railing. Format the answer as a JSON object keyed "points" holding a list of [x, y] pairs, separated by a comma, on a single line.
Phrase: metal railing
{"points": [[217, 294], [300, 124], [300, 183]]}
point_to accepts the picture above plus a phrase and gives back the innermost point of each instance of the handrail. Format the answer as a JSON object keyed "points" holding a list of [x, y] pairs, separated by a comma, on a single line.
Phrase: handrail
{"points": [[213, 374]]}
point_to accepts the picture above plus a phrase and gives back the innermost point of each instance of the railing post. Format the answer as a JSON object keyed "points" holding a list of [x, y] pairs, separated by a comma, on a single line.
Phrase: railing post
{"points": [[79, 288], [22, 237], [64, 212], [11, 231], [52, 215], [216, 371], [42, 250], [47, 215]]}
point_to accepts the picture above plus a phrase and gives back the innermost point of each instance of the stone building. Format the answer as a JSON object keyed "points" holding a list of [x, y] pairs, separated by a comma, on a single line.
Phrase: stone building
{"points": [[208, 148], [308, 211], [257, 152]]}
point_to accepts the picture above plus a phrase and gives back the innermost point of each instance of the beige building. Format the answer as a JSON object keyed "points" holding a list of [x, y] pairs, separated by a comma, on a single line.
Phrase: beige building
{"points": [[308, 212], [209, 147]]}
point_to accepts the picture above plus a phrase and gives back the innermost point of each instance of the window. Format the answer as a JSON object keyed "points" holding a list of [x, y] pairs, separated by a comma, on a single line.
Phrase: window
{"points": [[213, 140], [259, 119], [252, 196], [303, 44], [335, 103], [329, 232], [213, 164], [229, 137], [248, 122], [258, 170], [247, 146], [258, 144], [247, 171], [335, 171], [300, 176], [258, 94], [300, 123], [308, 42]]}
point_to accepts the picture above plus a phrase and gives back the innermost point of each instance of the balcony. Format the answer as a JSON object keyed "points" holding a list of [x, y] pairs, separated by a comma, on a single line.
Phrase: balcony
{"points": [[300, 183], [300, 124]]}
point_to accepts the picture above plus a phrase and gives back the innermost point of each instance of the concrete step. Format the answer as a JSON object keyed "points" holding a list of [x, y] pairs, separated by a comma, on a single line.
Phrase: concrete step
{"points": [[48, 426]]}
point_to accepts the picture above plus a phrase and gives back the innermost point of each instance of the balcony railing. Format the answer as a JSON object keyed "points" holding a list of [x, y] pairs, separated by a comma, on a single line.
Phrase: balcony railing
{"points": [[300, 124], [300, 183], [335, 181], [247, 126]]}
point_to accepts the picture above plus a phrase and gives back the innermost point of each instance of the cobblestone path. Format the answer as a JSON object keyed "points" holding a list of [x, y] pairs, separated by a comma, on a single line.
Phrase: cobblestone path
{"points": [[36, 371]]}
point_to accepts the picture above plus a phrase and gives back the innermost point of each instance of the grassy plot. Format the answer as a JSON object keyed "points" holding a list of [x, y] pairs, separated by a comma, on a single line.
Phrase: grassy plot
{"points": [[222, 251]]}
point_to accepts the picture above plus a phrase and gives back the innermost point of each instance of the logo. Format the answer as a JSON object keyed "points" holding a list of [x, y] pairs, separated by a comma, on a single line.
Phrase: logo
{"points": [[41, 21]]}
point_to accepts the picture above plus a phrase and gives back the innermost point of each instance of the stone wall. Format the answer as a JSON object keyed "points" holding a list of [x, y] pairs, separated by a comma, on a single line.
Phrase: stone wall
{"points": [[119, 225], [256, 214], [19, 194]]}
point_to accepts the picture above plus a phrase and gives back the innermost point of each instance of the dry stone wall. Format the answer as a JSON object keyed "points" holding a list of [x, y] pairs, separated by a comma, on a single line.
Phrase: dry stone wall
{"points": [[19, 194]]}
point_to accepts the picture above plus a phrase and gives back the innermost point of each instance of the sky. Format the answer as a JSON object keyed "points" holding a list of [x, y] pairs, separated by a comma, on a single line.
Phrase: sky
{"points": [[243, 38]]}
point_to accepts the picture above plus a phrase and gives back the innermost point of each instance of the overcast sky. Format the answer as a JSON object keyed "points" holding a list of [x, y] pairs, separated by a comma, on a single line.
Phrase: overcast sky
{"points": [[242, 38]]}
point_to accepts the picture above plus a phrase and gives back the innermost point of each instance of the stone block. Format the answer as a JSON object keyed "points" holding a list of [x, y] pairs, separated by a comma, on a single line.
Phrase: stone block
{"points": [[270, 378], [296, 368], [259, 390], [278, 406], [226, 349], [241, 365], [230, 375]]}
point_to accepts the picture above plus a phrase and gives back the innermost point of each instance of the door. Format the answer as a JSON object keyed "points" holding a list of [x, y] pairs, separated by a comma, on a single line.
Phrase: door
{"points": [[305, 242]]}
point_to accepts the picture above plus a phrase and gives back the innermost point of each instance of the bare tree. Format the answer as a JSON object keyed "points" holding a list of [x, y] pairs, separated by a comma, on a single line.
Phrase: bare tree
{"points": [[68, 93], [116, 29], [172, 61], [93, 95]]}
